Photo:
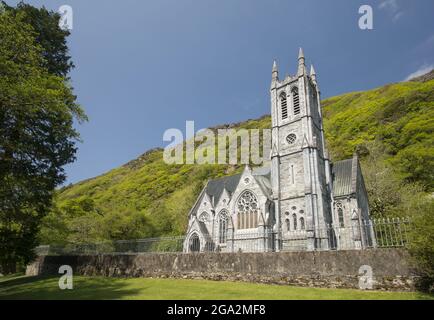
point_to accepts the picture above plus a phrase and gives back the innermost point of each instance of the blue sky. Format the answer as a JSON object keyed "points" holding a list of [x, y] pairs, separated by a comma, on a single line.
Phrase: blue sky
{"points": [[145, 66]]}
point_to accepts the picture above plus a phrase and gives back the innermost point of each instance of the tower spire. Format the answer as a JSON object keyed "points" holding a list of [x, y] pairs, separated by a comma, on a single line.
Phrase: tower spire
{"points": [[312, 70], [312, 73], [300, 54], [301, 63], [275, 72]]}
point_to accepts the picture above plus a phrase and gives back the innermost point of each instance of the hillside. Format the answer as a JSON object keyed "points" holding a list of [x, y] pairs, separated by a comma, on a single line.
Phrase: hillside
{"points": [[391, 126]]}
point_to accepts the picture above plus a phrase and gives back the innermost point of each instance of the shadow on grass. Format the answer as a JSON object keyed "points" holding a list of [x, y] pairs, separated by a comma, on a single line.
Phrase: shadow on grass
{"points": [[47, 288], [19, 280]]}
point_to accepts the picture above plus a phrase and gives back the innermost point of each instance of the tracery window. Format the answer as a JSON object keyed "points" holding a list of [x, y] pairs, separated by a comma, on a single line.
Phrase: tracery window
{"points": [[291, 138], [204, 217], [223, 226], [247, 205]]}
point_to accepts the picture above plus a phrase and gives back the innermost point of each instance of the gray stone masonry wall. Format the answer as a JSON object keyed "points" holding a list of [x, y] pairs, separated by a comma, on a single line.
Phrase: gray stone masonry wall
{"points": [[332, 269]]}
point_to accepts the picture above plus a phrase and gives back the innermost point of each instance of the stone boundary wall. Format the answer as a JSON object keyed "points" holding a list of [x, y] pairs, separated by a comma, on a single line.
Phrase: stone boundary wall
{"points": [[332, 269]]}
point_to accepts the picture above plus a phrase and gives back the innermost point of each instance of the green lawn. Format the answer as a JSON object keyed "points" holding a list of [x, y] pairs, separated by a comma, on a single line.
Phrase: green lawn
{"points": [[21, 287]]}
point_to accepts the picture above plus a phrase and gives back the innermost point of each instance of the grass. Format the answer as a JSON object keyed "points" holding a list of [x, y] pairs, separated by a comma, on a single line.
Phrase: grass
{"points": [[22, 287]]}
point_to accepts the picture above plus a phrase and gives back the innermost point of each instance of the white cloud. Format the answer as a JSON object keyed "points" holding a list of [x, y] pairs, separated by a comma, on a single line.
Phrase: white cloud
{"points": [[397, 15], [424, 69], [392, 7], [389, 5]]}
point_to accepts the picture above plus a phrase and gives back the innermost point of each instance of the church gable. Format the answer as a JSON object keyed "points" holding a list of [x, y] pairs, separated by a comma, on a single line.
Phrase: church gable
{"points": [[204, 206], [223, 201], [248, 182], [201, 218], [248, 189]]}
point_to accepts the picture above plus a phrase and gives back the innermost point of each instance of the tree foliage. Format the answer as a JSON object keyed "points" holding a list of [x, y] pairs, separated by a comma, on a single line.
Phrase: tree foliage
{"points": [[389, 195], [421, 245], [37, 110], [48, 35], [400, 116]]}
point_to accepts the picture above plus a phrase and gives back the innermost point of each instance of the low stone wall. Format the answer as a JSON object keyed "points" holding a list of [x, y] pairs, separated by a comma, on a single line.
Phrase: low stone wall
{"points": [[332, 269]]}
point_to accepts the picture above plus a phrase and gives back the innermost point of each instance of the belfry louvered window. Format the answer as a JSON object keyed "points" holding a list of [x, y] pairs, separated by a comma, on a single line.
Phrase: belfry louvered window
{"points": [[296, 101], [284, 106]]}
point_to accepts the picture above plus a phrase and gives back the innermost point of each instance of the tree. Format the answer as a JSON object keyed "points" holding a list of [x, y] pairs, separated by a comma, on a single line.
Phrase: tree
{"points": [[421, 244], [389, 195], [37, 138], [126, 225], [382, 185], [48, 35]]}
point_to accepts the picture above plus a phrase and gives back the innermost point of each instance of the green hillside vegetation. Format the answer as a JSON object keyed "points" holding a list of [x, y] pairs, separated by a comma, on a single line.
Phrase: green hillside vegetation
{"points": [[391, 128], [400, 116]]}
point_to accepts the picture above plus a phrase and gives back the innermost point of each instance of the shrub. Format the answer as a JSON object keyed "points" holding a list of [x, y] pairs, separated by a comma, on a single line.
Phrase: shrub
{"points": [[421, 245]]}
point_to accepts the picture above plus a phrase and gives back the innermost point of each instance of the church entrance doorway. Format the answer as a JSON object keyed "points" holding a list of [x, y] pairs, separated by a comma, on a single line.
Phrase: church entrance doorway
{"points": [[194, 243]]}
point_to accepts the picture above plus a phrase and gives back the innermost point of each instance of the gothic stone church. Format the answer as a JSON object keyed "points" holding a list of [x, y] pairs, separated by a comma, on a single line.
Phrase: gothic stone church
{"points": [[301, 201]]}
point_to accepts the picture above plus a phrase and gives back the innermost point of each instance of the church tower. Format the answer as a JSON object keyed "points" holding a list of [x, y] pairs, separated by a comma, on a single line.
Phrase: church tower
{"points": [[300, 168]]}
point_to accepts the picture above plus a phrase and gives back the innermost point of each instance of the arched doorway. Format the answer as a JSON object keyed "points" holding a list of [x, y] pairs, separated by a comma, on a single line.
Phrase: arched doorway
{"points": [[194, 243]]}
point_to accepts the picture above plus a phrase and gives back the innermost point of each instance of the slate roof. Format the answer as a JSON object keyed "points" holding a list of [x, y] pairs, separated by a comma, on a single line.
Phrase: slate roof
{"points": [[262, 171], [263, 178], [215, 187], [342, 172]]}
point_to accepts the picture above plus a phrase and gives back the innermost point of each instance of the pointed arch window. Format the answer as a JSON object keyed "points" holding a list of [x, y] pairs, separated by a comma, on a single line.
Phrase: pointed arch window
{"points": [[223, 226], [247, 216], [284, 106], [296, 101], [294, 221], [340, 210], [288, 225], [302, 224]]}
